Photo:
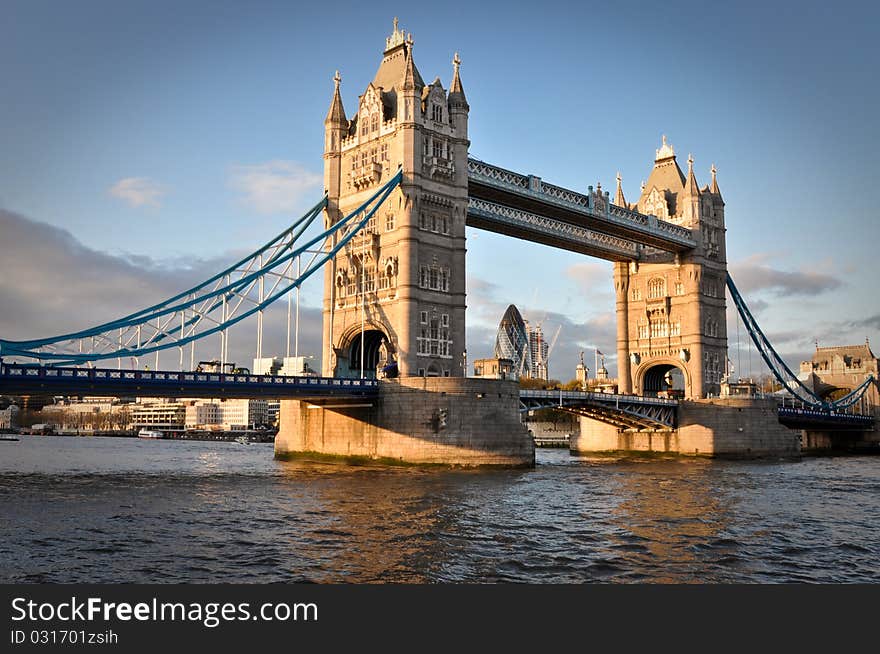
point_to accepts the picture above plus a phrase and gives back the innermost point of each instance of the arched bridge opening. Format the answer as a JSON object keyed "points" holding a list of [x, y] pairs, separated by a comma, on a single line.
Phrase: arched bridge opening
{"points": [[663, 380]]}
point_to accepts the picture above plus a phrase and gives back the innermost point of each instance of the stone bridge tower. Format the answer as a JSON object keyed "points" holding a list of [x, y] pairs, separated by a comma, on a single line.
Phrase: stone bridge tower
{"points": [[671, 316], [396, 293]]}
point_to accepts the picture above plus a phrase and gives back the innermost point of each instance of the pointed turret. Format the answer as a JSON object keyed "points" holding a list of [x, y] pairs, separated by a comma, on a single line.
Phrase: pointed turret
{"points": [[691, 189], [411, 78], [689, 203], [713, 188], [619, 200], [456, 90], [411, 87], [336, 114]]}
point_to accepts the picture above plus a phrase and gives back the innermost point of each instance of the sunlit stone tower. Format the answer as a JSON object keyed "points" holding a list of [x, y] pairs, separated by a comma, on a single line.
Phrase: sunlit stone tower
{"points": [[396, 294], [671, 309]]}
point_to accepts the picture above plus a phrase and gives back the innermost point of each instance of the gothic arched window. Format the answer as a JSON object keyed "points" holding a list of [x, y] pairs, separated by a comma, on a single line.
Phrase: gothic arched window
{"points": [[656, 288]]}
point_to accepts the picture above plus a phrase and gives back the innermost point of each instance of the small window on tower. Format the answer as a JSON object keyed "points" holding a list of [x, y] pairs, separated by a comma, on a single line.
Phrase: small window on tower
{"points": [[437, 113], [374, 122]]}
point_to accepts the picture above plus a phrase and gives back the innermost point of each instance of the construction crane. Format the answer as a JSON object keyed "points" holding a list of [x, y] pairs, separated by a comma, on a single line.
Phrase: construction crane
{"points": [[550, 348]]}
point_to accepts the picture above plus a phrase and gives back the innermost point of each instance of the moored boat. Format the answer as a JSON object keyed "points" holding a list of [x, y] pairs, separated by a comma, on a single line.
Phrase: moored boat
{"points": [[150, 433]]}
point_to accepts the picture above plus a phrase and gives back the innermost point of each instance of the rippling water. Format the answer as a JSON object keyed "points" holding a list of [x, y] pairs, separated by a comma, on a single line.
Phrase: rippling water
{"points": [[128, 510]]}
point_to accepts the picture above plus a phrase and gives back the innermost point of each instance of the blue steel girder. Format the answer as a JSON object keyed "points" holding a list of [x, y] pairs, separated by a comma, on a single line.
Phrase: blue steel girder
{"points": [[622, 411], [591, 211], [825, 419], [18, 379], [777, 365]]}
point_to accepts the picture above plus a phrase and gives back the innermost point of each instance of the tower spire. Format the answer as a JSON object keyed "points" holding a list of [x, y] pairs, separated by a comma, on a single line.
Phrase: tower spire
{"points": [[619, 200], [690, 188], [409, 68], [396, 37], [336, 114], [456, 90], [714, 187], [665, 151]]}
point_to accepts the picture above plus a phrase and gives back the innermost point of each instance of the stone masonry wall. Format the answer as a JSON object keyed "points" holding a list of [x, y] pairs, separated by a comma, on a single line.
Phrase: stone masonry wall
{"points": [[418, 420], [729, 427]]}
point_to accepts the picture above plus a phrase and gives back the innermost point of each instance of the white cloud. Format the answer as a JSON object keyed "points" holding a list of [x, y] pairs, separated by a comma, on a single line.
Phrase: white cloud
{"points": [[594, 280], [275, 186], [56, 285], [138, 191], [754, 275]]}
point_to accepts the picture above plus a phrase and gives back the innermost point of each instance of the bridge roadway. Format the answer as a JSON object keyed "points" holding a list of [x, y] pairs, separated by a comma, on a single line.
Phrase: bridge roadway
{"points": [[623, 411], [23, 379], [526, 207], [635, 412]]}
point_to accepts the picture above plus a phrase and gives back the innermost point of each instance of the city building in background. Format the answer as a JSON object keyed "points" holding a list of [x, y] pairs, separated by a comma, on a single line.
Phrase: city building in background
{"points": [[539, 351], [287, 366], [835, 371], [512, 342], [8, 417], [88, 414], [526, 346], [226, 415], [495, 369], [166, 416]]}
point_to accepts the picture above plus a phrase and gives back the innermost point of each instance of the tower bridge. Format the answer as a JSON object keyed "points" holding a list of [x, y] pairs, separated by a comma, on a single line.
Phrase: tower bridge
{"points": [[400, 189]]}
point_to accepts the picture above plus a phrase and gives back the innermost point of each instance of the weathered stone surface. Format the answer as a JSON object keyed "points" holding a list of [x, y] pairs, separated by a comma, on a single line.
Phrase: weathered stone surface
{"points": [[406, 425], [728, 427]]}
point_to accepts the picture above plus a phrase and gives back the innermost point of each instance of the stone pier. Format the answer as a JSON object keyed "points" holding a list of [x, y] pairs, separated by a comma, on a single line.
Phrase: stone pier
{"points": [[414, 420], [719, 427], [842, 441]]}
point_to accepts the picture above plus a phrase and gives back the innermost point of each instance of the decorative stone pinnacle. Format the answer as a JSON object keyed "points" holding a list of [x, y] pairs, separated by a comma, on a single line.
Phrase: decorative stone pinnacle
{"points": [[396, 38], [619, 179], [337, 78], [690, 162], [666, 150], [714, 170], [456, 62]]}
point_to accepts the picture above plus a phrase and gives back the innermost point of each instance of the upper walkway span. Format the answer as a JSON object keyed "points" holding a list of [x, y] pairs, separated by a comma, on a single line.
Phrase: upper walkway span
{"points": [[525, 206]]}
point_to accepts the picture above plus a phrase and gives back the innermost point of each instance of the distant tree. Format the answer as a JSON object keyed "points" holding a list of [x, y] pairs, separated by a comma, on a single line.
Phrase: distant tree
{"points": [[530, 383]]}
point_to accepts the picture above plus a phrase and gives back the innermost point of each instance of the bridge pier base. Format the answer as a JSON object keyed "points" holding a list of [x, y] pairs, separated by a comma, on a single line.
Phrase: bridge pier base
{"points": [[414, 420], [816, 441], [728, 427]]}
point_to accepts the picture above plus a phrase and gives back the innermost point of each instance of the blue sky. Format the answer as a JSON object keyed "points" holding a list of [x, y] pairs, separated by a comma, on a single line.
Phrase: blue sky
{"points": [[169, 136]]}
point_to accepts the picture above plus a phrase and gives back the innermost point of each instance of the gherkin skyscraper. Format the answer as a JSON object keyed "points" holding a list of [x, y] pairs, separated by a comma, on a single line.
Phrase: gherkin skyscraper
{"points": [[512, 341]]}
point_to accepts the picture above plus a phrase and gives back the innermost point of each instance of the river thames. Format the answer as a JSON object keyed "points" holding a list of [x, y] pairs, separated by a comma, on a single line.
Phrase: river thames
{"points": [[77, 510]]}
